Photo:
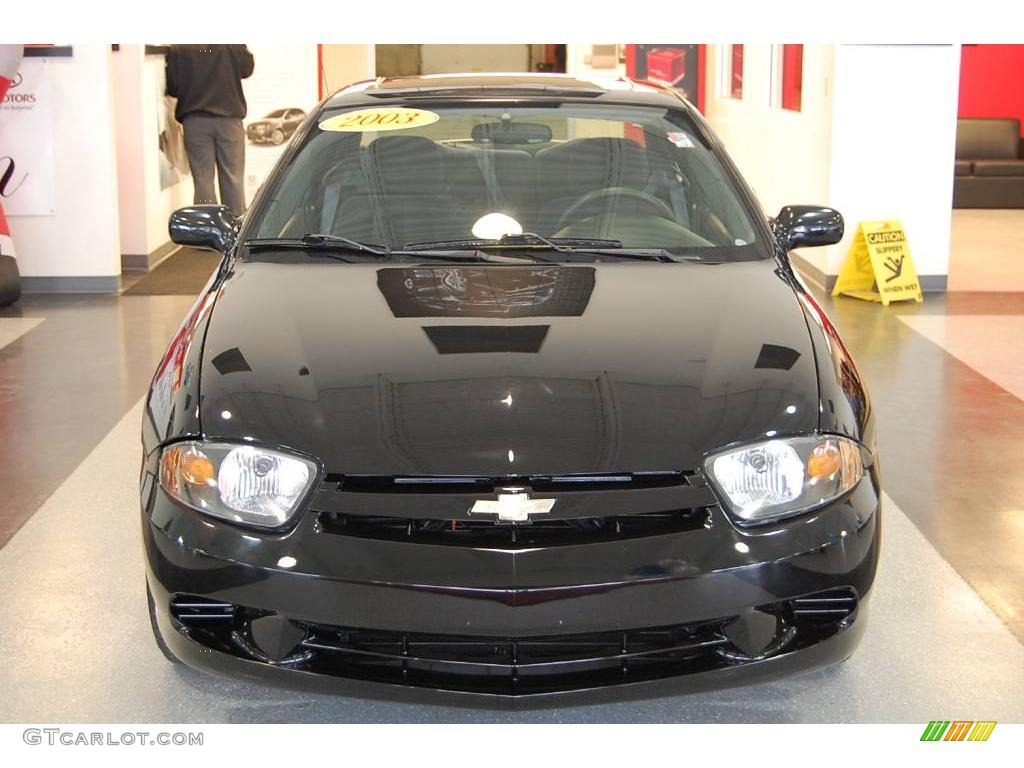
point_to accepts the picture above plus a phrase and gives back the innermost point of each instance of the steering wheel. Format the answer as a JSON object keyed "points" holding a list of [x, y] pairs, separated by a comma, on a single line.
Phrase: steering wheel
{"points": [[616, 192]]}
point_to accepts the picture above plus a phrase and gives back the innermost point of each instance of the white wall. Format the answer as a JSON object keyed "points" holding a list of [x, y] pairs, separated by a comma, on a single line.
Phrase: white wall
{"points": [[783, 154], [131, 187], [893, 139], [438, 59], [874, 139], [576, 63], [144, 206], [346, 64], [82, 239]]}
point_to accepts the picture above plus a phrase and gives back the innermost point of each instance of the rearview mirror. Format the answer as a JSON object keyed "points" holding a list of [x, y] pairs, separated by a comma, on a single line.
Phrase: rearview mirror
{"points": [[204, 226], [803, 226], [511, 133]]}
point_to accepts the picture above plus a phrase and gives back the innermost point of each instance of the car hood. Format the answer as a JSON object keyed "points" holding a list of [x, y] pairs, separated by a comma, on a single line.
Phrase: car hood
{"points": [[507, 370]]}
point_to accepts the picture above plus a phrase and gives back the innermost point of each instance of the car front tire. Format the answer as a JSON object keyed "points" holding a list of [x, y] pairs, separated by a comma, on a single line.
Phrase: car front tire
{"points": [[277, 136]]}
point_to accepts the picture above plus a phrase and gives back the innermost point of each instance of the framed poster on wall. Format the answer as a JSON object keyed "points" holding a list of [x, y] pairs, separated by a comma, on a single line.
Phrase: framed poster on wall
{"points": [[280, 93], [26, 142], [675, 65], [170, 135]]}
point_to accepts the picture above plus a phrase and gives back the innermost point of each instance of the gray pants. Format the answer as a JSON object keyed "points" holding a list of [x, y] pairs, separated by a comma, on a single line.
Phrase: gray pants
{"points": [[217, 142]]}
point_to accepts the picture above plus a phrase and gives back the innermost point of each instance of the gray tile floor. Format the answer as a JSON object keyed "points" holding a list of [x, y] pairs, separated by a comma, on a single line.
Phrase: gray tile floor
{"points": [[93, 356], [948, 432], [77, 647]]}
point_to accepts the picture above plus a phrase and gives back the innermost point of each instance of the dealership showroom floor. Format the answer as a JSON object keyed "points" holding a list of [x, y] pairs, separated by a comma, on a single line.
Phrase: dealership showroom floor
{"points": [[947, 614]]}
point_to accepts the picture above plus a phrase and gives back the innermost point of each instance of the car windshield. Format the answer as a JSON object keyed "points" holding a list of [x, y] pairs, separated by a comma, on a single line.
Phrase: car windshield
{"points": [[454, 177]]}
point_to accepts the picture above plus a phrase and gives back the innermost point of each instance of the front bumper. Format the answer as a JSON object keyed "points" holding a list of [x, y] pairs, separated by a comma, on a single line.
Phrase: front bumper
{"points": [[379, 601]]}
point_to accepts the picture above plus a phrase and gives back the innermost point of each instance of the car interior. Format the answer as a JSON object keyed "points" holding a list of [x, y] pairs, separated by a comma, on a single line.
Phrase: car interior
{"points": [[397, 190]]}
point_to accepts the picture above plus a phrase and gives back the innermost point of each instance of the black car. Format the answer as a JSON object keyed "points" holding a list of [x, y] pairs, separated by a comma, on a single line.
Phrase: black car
{"points": [[505, 386], [276, 127]]}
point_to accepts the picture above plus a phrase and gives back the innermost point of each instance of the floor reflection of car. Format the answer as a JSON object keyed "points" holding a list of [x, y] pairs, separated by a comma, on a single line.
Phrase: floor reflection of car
{"points": [[276, 127], [505, 386]]}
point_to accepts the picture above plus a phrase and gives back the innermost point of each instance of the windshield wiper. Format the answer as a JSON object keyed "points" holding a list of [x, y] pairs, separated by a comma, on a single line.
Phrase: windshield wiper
{"points": [[586, 246], [312, 242], [526, 239], [442, 250], [335, 243]]}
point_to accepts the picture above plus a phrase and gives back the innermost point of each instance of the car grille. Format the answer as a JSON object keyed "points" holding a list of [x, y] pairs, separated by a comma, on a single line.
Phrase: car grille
{"points": [[589, 508], [538, 533], [517, 666]]}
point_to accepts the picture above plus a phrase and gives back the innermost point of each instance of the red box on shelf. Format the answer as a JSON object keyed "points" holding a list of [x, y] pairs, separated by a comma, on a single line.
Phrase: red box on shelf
{"points": [[666, 64]]}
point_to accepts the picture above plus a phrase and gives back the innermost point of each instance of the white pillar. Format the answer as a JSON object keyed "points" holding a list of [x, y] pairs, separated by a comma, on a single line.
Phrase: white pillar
{"points": [[78, 248], [893, 139], [144, 203]]}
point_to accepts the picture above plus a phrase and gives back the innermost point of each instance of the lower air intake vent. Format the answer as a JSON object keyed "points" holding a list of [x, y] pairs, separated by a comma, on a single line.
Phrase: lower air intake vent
{"points": [[508, 665], [201, 611], [829, 607]]}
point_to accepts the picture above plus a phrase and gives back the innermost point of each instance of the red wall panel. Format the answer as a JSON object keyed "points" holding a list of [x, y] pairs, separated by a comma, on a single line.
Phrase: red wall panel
{"points": [[792, 76], [992, 81], [736, 86]]}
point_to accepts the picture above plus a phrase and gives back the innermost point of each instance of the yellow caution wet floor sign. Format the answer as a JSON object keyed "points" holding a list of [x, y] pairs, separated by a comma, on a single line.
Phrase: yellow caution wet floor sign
{"points": [[879, 267]]}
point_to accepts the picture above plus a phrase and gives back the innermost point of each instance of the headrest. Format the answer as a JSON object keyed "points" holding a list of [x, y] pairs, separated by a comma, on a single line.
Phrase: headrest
{"points": [[406, 165], [582, 165]]}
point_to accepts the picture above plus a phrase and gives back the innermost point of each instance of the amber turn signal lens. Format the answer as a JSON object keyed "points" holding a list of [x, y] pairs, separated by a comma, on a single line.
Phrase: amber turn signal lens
{"points": [[185, 465], [824, 461], [196, 469], [170, 460]]}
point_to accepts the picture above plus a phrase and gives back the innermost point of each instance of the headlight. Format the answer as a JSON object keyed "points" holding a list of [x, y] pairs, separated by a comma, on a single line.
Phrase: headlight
{"points": [[242, 483], [785, 477]]}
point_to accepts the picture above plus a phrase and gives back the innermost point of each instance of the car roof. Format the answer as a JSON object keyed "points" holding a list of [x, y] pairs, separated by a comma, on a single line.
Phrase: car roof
{"points": [[505, 85]]}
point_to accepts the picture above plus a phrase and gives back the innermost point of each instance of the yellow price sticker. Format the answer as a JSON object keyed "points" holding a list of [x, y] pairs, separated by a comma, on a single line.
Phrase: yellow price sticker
{"points": [[383, 119]]}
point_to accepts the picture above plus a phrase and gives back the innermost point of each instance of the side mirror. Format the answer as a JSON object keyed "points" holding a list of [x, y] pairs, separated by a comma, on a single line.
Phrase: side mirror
{"points": [[803, 226], [204, 226]]}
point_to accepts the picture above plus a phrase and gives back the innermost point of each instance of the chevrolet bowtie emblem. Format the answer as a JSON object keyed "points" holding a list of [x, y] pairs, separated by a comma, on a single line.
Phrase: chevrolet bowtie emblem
{"points": [[514, 505]]}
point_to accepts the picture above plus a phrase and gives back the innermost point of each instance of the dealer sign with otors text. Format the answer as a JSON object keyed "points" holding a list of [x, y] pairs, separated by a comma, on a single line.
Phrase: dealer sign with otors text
{"points": [[26, 143]]}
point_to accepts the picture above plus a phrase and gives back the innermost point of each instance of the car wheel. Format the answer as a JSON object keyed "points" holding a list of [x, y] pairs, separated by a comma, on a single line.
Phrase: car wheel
{"points": [[277, 136], [156, 630]]}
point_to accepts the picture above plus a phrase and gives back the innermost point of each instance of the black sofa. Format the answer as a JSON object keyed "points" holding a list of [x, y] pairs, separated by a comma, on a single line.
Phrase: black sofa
{"points": [[989, 169]]}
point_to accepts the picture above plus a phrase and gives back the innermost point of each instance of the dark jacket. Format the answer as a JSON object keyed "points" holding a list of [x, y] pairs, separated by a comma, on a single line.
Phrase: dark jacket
{"points": [[207, 79]]}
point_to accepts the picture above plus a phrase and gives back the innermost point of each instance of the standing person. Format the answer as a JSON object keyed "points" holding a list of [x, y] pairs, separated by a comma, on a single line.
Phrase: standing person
{"points": [[207, 82]]}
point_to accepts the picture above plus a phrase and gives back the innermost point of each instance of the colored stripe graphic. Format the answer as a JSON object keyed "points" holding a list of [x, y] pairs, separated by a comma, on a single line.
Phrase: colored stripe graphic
{"points": [[982, 730], [958, 730]]}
